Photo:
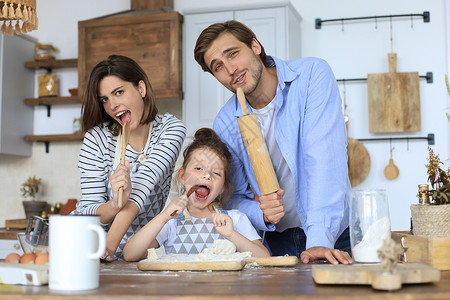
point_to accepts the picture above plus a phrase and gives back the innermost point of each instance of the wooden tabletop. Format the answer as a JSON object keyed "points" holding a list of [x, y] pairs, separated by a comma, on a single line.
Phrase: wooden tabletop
{"points": [[120, 280]]}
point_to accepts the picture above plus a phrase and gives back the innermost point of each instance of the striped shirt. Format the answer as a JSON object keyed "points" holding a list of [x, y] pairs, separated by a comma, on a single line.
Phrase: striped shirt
{"points": [[150, 181]]}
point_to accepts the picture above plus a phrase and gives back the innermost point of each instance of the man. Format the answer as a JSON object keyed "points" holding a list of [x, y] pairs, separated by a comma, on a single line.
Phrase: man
{"points": [[299, 109]]}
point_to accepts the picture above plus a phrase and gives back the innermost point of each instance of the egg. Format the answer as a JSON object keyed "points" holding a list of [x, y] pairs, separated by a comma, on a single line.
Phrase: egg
{"points": [[28, 258], [12, 258], [41, 258]]}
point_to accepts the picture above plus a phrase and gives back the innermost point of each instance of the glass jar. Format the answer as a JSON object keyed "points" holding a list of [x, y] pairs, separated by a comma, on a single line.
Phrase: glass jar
{"points": [[370, 224]]}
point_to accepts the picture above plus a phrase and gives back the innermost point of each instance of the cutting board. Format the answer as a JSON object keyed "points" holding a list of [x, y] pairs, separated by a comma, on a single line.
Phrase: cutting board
{"points": [[190, 263], [358, 161], [364, 274], [394, 100]]}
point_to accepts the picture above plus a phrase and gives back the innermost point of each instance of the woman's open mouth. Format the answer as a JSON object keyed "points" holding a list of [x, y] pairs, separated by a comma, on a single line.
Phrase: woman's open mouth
{"points": [[124, 116]]}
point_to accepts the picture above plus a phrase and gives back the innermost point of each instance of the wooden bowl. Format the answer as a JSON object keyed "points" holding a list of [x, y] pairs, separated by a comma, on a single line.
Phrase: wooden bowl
{"points": [[73, 92]]}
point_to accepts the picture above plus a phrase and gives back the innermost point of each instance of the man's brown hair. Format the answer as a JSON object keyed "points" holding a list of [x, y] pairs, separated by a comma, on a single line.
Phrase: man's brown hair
{"points": [[212, 32]]}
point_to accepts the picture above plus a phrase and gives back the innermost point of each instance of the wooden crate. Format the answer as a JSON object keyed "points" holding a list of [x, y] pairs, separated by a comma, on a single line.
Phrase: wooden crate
{"points": [[433, 251], [153, 39]]}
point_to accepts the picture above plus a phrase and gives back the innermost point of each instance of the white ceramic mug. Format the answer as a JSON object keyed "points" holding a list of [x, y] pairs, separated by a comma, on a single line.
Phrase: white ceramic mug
{"points": [[76, 242]]}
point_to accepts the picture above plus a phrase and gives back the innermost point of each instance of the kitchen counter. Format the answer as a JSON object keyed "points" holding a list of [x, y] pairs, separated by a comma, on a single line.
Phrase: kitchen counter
{"points": [[121, 280]]}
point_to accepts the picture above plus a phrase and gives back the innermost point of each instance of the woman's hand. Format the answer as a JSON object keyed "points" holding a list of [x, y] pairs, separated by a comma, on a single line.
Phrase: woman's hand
{"points": [[121, 179], [223, 224]]}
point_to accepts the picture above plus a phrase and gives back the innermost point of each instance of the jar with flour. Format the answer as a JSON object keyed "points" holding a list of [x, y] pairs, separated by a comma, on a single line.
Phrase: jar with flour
{"points": [[370, 224]]}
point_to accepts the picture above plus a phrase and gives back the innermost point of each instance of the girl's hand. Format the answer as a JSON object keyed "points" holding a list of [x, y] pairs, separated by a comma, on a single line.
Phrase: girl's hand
{"points": [[121, 179], [108, 256], [175, 207], [223, 224]]}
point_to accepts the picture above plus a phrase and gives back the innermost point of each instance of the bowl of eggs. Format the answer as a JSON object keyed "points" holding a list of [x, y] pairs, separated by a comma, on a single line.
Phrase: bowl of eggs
{"points": [[34, 251]]}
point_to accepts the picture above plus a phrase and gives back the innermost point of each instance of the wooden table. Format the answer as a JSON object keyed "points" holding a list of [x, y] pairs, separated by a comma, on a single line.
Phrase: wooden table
{"points": [[120, 280]]}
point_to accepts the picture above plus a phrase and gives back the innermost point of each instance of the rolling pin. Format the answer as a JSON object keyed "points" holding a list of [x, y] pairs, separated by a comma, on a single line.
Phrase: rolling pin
{"points": [[256, 148]]}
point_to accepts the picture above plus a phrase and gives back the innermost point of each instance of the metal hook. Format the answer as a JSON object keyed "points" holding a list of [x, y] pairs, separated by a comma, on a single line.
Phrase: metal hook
{"points": [[342, 22], [391, 39], [376, 22], [412, 21]]}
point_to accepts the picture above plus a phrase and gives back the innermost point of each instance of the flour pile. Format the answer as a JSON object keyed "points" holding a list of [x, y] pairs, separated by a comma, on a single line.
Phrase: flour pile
{"points": [[366, 250]]}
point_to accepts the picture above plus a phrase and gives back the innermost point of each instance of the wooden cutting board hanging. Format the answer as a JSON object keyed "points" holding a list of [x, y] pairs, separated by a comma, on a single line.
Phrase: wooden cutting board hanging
{"points": [[394, 100]]}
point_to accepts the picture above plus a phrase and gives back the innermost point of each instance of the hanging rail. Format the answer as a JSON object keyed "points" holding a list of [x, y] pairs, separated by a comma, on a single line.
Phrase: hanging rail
{"points": [[429, 138], [428, 77], [425, 16]]}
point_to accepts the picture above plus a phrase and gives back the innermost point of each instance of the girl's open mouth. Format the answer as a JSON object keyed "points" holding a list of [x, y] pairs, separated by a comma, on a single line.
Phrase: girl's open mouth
{"points": [[202, 192]]}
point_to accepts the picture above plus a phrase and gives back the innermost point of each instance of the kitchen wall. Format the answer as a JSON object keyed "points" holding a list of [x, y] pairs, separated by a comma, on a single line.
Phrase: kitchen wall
{"points": [[353, 51]]}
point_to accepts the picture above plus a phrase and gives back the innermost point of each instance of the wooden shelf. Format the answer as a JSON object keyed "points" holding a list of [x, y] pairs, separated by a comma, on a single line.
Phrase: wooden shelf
{"points": [[52, 100], [52, 64], [54, 138]]}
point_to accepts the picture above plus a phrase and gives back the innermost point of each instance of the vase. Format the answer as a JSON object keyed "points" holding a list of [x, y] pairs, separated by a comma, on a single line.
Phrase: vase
{"points": [[67, 208], [430, 220], [34, 208]]}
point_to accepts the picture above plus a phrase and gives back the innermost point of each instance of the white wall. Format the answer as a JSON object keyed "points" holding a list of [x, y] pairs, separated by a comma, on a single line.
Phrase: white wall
{"points": [[353, 53]]}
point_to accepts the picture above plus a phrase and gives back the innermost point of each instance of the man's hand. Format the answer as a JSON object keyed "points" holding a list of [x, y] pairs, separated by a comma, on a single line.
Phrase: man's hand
{"points": [[272, 206], [334, 256]]}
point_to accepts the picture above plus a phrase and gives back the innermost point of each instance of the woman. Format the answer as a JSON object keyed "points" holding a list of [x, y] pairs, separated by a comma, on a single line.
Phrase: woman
{"points": [[119, 91]]}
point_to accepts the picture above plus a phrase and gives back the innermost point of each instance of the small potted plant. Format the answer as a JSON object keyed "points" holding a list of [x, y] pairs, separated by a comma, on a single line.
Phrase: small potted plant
{"points": [[29, 190], [432, 218]]}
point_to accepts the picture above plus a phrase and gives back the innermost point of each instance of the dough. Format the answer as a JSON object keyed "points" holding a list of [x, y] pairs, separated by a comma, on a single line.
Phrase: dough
{"points": [[222, 247], [153, 253]]}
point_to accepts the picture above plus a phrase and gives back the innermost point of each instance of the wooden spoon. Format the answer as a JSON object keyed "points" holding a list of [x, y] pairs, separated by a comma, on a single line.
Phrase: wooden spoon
{"points": [[125, 140], [391, 171], [191, 190]]}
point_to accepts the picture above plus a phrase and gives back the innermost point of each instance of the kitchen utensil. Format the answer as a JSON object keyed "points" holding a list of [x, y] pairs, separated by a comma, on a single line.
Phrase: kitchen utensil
{"points": [[256, 148], [190, 263], [273, 261], [125, 140], [410, 273], [191, 190], [75, 246], [358, 161], [369, 224], [394, 100], [35, 236], [391, 171]]}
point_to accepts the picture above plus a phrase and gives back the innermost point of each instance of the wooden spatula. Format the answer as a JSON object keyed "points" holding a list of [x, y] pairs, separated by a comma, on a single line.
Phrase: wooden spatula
{"points": [[125, 139]]}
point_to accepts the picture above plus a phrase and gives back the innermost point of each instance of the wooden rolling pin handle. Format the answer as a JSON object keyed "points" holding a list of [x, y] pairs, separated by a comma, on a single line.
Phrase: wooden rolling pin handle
{"points": [[191, 190], [242, 102]]}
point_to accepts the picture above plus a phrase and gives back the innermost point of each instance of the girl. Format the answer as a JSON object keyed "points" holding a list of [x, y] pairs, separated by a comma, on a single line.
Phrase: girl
{"points": [[119, 91], [205, 174]]}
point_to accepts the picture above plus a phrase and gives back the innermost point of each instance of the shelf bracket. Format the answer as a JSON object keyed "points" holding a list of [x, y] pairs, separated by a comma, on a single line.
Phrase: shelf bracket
{"points": [[47, 146], [428, 77], [429, 138], [48, 108], [425, 16]]}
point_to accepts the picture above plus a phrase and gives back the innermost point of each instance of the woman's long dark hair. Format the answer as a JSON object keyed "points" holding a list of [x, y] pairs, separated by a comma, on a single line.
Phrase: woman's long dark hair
{"points": [[92, 111]]}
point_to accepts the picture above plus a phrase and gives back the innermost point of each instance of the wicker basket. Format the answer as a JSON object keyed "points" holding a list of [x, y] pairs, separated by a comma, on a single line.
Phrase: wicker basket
{"points": [[431, 220]]}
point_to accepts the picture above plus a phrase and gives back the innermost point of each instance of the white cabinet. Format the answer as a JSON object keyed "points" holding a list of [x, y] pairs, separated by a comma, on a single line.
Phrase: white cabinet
{"points": [[9, 246], [276, 26], [16, 84]]}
